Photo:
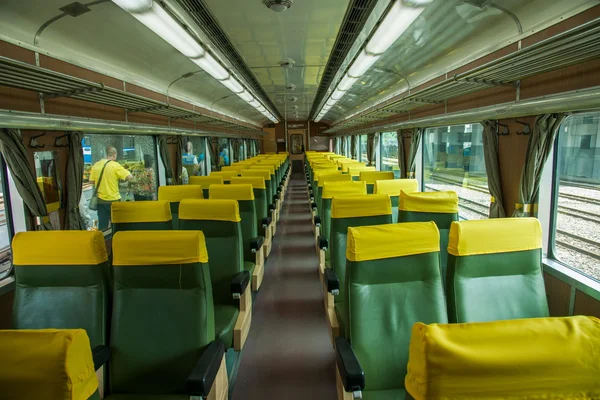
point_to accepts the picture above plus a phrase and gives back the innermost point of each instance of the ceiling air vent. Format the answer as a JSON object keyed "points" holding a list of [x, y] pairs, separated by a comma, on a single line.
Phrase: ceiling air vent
{"points": [[278, 5]]}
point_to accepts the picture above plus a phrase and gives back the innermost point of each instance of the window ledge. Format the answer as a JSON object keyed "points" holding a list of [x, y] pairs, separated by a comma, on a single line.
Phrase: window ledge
{"points": [[7, 284], [579, 281]]}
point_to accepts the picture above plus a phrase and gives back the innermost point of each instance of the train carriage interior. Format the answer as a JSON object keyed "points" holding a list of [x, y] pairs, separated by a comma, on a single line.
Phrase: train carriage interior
{"points": [[299, 199]]}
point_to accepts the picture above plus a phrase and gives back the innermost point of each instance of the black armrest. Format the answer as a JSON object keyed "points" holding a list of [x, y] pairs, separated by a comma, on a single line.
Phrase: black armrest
{"points": [[272, 207], [275, 197], [313, 205], [317, 220], [352, 374], [256, 243], [266, 221], [323, 244], [239, 282], [100, 355], [203, 375], [279, 190], [332, 280]]}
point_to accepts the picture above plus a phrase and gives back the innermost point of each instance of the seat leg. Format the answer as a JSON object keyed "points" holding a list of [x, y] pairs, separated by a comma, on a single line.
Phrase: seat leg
{"points": [[220, 389], [341, 392], [259, 270]]}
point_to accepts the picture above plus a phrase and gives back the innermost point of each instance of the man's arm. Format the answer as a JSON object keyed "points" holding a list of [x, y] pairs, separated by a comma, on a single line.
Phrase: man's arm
{"points": [[122, 173]]}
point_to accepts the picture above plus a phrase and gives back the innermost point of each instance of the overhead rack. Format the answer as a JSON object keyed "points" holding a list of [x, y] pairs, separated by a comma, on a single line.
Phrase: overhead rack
{"points": [[51, 84], [571, 47]]}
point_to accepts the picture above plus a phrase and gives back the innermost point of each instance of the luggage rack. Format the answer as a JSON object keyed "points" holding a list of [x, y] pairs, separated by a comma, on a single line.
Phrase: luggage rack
{"points": [[571, 47], [50, 85]]}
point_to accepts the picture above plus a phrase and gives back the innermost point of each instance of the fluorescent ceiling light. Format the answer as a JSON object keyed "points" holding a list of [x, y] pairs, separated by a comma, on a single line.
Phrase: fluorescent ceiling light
{"points": [[361, 64], [233, 85], [247, 97], [337, 94], [394, 24], [346, 82], [212, 67], [134, 6]]}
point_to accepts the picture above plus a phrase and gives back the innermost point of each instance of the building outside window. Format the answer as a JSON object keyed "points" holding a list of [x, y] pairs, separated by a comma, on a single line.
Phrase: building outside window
{"points": [[388, 153], [362, 149], [453, 160], [6, 231], [576, 227]]}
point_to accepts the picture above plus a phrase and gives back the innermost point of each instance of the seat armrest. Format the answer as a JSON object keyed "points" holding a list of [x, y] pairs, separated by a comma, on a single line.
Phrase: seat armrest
{"points": [[275, 197], [202, 377], [323, 244], [272, 207], [317, 220], [239, 282], [256, 243], [352, 374], [313, 205], [332, 281], [266, 221], [100, 355]]}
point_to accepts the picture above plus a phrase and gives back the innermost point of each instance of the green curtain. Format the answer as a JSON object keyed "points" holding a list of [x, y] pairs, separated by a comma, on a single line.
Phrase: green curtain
{"points": [[354, 147], [73, 218], [415, 140], [539, 147], [372, 143], [490, 153], [15, 155], [235, 145], [180, 142], [248, 149], [256, 147], [343, 145], [163, 149], [214, 153], [401, 155]]}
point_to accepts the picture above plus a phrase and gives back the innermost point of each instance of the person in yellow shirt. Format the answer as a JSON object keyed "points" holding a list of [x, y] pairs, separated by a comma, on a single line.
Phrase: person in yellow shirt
{"points": [[108, 190]]}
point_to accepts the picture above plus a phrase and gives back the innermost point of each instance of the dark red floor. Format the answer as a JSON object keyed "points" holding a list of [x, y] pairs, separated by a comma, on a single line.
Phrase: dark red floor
{"points": [[288, 354]]}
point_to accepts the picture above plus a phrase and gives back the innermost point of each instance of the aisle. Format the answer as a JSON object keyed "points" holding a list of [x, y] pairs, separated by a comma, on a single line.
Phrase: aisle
{"points": [[288, 354]]}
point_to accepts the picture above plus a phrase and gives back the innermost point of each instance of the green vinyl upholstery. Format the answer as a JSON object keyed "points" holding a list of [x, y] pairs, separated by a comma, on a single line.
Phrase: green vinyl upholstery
{"points": [[495, 270], [370, 177], [175, 193], [219, 221], [393, 187], [393, 282], [61, 282], [336, 176], [260, 199], [439, 207], [163, 314], [269, 185], [205, 182], [141, 216]]}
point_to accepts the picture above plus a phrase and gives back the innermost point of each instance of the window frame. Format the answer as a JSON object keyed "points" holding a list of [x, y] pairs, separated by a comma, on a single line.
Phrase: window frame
{"points": [[7, 210]]}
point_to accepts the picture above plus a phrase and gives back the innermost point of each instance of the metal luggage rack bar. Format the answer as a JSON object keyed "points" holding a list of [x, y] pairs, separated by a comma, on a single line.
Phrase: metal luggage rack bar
{"points": [[571, 47], [52, 85]]}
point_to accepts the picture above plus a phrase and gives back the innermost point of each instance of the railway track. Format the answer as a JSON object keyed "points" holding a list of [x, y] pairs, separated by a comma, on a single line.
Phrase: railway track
{"points": [[571, 246], [583, 199]]}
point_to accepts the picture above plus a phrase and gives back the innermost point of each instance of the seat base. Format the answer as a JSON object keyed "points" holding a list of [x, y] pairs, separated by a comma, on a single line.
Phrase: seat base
{"points": [[225, 319], [244, 320]]}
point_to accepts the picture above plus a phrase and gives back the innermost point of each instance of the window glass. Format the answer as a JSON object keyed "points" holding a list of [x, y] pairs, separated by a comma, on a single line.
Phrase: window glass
{"points": [[297, 144], [133, 177], [388, 152], [193, 157], [362, 155], [577, 215], [224, 152], [453, 160], [5, 227]]}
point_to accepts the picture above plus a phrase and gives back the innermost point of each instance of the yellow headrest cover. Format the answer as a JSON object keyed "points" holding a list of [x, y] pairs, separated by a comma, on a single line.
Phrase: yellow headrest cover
{"points": [[264, 173], [331, 189], [231, 192], [334, 177], [489, 236], [371, 176], [206, 181], [140, 211], [377, 242], [429, 202], [322, 172], [361, 206], [236, 167], [257, 182], [47, 364], [59, 248], [177, 193], [393, 187], [350, 163], [270, 168], [355, 171], [210, 210], [536, 358], [158, 248], [227, 175]]}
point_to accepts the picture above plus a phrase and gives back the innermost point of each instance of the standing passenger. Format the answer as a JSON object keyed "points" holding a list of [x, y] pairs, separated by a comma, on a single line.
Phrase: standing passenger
{"points": [[108, 189]]}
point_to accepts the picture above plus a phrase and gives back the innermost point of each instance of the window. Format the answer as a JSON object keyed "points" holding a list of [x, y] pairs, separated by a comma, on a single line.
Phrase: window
{"points": [[193, 156], [453, 160], [297, 144], [224, 152], [576, 217], [6, 231], [137, 155], [362, 149], [388, 153]]}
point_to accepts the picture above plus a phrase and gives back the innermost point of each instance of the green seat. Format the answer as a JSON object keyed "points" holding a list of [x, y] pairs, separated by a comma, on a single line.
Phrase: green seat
{"points": [[393, 187], [260, 200], [252, 242], [141, 216], [371, 176], [61, 282], [354, 171], [274, 185], [346, 212], [220, 222], [439, 207], [393, 281], [163, 324], [226, 175], [205, 182], [269, 186], [320, 178], [495, 270], [174, 194], [324, 169]]}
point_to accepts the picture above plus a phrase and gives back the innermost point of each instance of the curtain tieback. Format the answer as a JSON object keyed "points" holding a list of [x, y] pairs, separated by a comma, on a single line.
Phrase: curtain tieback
{"points": [[411, 175], [526, 207], [492, 199]]}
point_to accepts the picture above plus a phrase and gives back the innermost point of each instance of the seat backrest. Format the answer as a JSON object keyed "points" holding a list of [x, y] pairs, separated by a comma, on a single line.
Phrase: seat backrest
{"points": [[393, 282], [273, 182], [355, 171], [371, 176], [175, 193], [331, 189], [393, 187], [266, 175], [62, 280], [495, 270], [205, 182], [332, 177], [220, 222], [353, 211], [439, 207], [260, 196], [46, 364], [141, 215], [535, 358], [244, 194], [226, 175], [163, 314]]}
